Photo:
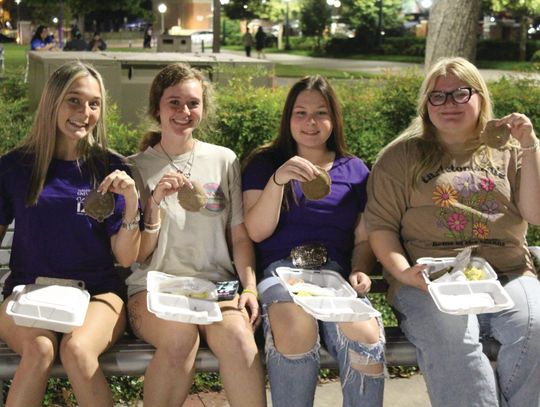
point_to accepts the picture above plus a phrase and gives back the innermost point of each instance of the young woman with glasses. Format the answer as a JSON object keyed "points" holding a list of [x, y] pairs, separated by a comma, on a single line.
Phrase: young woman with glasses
{"points": [[438, 188]]}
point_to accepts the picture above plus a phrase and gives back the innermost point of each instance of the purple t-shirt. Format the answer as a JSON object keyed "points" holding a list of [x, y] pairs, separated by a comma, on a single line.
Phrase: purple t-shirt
{"points": [[330, 221], [55, 238]]}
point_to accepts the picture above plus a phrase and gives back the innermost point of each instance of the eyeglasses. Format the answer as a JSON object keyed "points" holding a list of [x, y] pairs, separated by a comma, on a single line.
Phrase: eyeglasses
{"points": [[459, 96]]}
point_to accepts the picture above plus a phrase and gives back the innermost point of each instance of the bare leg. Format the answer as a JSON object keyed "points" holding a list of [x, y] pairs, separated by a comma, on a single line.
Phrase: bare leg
{"points": [[37, 348], [169, 375], [240, 367], [105, 322]]}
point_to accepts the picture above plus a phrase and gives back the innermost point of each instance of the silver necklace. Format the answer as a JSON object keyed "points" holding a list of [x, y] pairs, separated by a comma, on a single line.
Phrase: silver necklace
{"points": [[189, 163]]}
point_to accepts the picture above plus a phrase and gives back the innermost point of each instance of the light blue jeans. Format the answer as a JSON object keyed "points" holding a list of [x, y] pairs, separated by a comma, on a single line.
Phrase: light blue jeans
{"points": [[293, 378], [449, 352]]}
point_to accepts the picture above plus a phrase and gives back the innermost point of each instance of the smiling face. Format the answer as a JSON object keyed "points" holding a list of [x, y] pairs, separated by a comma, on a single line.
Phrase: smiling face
{"points": [[455, 123], [311, 124], [181, 108], [79, 110]]}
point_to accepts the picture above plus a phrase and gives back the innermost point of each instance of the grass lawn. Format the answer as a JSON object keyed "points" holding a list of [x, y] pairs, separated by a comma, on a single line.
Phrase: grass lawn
{"points": [[15, 62]]}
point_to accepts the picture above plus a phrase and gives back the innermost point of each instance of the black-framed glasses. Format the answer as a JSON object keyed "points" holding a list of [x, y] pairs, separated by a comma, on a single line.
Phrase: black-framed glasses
{"points": [[459, 96]]}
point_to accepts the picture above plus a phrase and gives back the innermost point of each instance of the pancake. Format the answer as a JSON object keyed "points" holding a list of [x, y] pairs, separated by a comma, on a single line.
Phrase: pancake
{"points": [[99, 206], [319, 187], [495, 137], [192, 200]]}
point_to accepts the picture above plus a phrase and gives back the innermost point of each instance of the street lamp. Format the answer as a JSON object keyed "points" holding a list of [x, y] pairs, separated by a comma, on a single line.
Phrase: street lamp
{"points": [[18, 19], [223, 3], [162, 8], [381, 32], [287, 43]]}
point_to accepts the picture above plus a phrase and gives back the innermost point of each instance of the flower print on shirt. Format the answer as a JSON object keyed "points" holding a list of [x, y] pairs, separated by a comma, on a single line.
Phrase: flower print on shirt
{"points": [[467, 205], [445, 196]]}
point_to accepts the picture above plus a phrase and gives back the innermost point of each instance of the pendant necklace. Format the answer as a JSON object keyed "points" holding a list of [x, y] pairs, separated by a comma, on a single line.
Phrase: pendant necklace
{"points": [[189, 163]]}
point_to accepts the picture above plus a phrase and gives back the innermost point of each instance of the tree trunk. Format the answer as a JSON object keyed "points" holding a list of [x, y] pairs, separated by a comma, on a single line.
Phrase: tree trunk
{"points": [[452, 30], [524, 28]]}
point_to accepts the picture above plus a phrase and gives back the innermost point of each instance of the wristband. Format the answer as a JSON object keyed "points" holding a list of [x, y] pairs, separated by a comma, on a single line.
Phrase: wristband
{"points": [[532, 147], [248, 291]]}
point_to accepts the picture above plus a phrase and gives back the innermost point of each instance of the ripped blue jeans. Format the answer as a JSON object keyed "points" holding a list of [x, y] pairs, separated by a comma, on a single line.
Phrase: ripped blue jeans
{"points": [[293, 378]]}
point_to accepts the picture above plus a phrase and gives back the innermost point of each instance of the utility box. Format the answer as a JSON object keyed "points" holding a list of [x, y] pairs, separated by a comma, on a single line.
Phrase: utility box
{"points": [[41, 65], [174, 43], [129, 75]]}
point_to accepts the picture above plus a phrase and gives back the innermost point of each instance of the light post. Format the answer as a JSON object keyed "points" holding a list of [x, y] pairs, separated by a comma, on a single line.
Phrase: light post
{"points": [[223, 3], [381, 32], [18, 2], [287, 43], [162, 8]]}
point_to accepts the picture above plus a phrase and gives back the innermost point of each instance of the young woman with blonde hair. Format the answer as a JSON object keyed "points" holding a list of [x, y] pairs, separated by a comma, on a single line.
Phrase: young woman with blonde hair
{"points": [[43, 184], [438, 188]]}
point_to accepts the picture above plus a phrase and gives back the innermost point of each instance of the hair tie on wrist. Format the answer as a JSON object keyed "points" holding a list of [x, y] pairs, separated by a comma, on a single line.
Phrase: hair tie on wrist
{"points": [[154, 199], [248, 291], [275, 182]]}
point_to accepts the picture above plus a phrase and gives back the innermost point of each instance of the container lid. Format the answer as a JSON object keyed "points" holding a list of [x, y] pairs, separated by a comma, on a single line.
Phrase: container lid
{"points": [[54, 307], [325, 295]]}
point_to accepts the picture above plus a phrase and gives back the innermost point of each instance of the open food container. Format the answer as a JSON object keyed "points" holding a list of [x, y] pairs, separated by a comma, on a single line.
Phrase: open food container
{"points": [[55, 307], [464, 288], [182, 299], [325, 294]]}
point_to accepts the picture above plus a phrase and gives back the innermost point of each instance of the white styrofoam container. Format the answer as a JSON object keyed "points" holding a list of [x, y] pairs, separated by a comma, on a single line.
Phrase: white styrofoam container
{"points": [[54, 307], [454, 294], [180, 308], [343, 306]]}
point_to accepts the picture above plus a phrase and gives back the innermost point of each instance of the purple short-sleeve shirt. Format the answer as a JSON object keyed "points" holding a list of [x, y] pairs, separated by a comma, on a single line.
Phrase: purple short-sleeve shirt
{"points": [[55, 238]]}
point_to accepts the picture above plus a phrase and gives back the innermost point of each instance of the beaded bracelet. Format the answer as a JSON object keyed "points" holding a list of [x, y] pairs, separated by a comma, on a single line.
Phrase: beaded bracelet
{"points": [[248, 291], [275, 182], [532, 147]]}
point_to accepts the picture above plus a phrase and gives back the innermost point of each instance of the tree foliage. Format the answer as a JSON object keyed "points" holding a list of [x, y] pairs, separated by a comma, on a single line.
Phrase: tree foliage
{"points": [[315, 16], [521, 10], [363, 15], [246, 9]]}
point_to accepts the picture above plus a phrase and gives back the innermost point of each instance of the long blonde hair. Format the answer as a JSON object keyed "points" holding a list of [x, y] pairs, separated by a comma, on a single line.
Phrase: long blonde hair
{"points": [[423, 133], [169, 76], [41, 140]]}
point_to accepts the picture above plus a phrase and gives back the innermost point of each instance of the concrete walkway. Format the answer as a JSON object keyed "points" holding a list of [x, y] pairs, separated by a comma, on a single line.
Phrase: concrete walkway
{"points": [[374, 67], [398, 392]]}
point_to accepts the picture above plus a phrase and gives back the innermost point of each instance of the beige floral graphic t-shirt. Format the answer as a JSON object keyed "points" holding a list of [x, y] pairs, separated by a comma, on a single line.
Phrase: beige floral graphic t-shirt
{"points": [[462, 201]]}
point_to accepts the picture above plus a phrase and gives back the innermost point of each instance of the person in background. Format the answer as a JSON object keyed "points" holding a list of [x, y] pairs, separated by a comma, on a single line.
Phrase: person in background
{"points": [[202, 241], [440, 186], [247, 40], [147, 38], [42, 40], [97, 43], [43, 184], [281, 220], [77, 43], [260, 42]]}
